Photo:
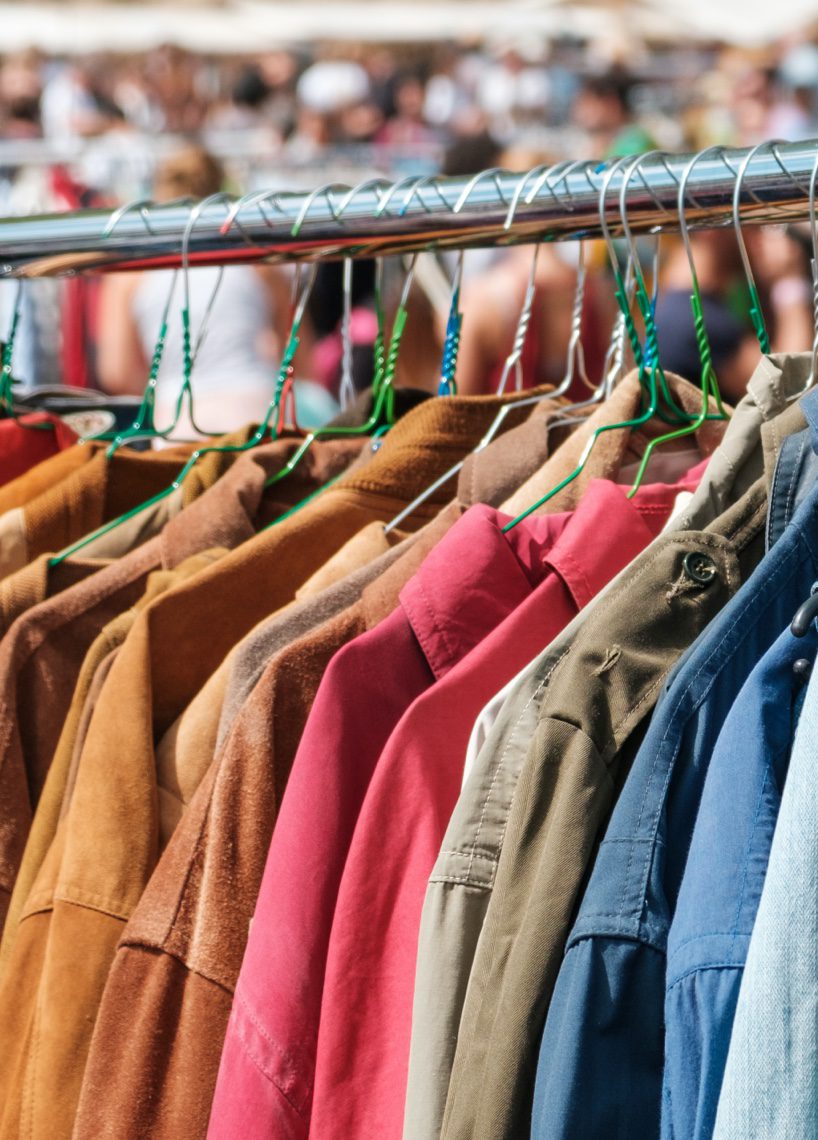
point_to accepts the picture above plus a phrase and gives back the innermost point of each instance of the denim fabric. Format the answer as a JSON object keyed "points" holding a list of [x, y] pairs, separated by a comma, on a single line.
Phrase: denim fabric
{"points": [[719, 896], [795, 473], [601, 1057], [770, 1085]]}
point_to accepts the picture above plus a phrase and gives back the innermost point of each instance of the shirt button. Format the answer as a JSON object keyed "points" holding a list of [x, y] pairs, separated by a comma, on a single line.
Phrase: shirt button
{"points": [[700, 567]]}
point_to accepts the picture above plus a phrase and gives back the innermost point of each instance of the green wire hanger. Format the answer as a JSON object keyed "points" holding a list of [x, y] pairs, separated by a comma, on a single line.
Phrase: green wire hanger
{"points": [[648, 374], [271, 415], [385, 361], [7, 406], [709, 382], [756, 314]]}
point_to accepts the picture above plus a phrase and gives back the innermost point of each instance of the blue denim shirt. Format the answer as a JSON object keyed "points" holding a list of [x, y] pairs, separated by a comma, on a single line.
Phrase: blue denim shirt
{"points": [[718, 900], [601, 1058]]}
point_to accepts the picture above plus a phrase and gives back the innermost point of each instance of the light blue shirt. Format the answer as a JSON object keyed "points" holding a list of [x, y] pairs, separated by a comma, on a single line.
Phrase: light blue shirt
{"points": [[770, 1086]]}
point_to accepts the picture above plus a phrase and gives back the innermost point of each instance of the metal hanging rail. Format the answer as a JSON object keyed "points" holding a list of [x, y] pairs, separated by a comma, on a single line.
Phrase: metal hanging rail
{"points": [[377, 218]]}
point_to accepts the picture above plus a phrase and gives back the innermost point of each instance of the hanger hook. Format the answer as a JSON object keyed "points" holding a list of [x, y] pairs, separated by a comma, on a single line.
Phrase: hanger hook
{"points": [[140, 204], [682, 199], [190, 353], [376, 184], [514, 358], [326, 192], [755, 308], [635, 164], [494, 173]]}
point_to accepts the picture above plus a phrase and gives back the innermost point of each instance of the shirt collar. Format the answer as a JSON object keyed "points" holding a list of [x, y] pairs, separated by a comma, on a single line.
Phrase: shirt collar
{"points": [[409, 459], [582, 553], [473, 579]]}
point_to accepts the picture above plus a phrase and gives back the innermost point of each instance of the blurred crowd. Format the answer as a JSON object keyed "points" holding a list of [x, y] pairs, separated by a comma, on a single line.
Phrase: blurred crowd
{"points": [[172, 124], [566, 97]]}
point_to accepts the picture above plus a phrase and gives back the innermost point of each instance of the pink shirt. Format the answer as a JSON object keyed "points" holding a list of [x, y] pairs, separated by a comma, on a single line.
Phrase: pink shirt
{"points": [[366, 1012], [473, 579]]}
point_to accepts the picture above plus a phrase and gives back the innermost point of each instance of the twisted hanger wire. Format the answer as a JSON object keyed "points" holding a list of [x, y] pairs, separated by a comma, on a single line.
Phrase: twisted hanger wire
{"points": [[709, 379], [6, 378], [144, 423], [451, 343], [514, 358], [189, 352]]}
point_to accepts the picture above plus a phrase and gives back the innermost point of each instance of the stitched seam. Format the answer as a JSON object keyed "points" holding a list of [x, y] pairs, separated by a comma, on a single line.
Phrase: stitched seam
{"points": [[478, 884], [424, 640], [790, 500], [578, 573], [701, 938], [539, 689], [483, 853], [745, 869], [283, 1053], [701, 970]]}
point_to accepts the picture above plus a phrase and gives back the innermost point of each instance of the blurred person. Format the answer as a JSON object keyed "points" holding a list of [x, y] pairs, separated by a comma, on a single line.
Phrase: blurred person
{"points": [[601, 110], [131, 92], [171, 75], [330, 85], [515, 89], [384, 78], [246, 107], [407, 128], [234, 375], [751, 104], [69, 106], [311, 134], [21, 78], [359, 123]]}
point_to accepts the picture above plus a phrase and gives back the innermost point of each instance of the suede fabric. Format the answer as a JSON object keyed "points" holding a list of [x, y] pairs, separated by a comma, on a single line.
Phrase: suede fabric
{"points": [[53, 800], [43, 652], [72, 494], [107, 844], [37, 581], [179, 956]]}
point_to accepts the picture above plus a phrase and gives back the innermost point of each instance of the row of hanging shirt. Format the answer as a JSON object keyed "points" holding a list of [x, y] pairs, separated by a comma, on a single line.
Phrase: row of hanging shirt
{"points": [[306, 764]]}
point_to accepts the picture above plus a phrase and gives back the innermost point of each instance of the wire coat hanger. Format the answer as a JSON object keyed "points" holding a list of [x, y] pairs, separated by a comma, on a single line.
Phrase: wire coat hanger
{"points": [[709, 383], [621, 294], [513, 357]]}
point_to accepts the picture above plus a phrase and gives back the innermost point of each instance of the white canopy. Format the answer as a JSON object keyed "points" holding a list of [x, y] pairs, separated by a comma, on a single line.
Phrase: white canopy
{"points": [[252, 25]]}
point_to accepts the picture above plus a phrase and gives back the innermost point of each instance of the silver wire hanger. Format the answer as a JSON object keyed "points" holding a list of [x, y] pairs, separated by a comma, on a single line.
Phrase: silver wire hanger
{"points": [[513, 358]]}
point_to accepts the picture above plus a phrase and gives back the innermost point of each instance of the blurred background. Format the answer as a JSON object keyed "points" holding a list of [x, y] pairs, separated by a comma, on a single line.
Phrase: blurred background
{"points": [[103, 104]]}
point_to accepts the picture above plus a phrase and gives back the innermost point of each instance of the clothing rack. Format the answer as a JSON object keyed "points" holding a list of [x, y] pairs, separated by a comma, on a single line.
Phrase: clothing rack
{"points": [[377, 217]]}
